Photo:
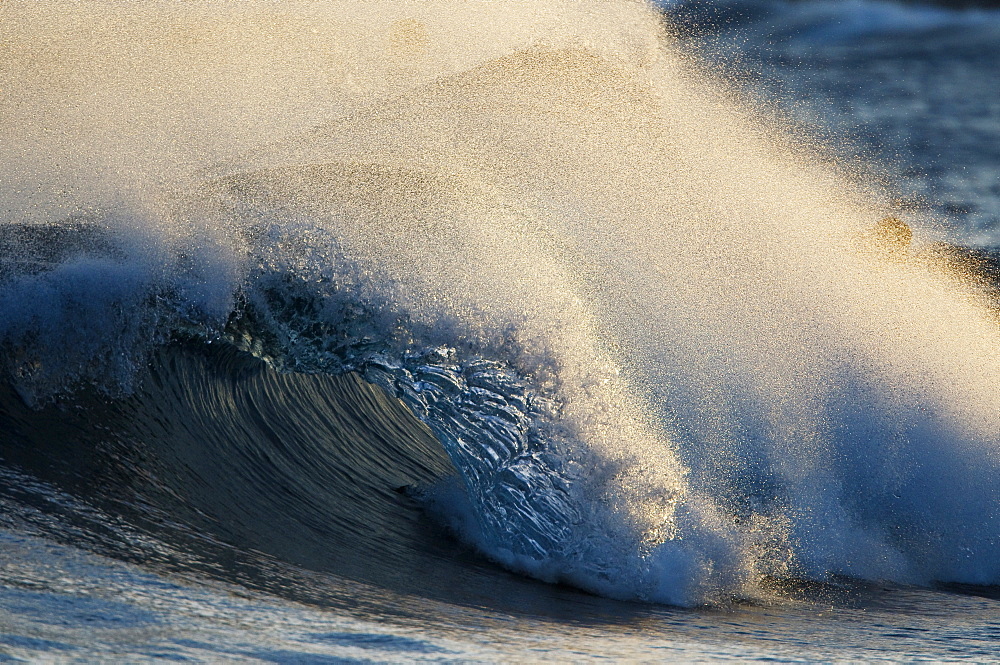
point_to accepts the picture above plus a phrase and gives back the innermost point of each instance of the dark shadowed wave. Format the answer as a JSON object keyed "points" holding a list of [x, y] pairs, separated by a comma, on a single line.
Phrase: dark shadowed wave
{"points": [[295, 484]]}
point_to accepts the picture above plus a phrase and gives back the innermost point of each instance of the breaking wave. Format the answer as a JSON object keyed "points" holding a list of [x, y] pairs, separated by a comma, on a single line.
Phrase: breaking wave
{"points": [[668, 352]]}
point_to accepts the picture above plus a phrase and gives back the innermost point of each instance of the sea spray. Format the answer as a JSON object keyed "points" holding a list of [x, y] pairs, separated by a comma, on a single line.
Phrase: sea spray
{"points": [[644, 323]]}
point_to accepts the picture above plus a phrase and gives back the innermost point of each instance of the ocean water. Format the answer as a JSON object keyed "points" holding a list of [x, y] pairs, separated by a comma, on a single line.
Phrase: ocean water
{"points": [[474, 331]]}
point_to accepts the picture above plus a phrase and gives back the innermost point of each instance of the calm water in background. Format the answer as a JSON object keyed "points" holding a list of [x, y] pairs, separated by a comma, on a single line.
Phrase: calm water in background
{"points": [[910, 87]]}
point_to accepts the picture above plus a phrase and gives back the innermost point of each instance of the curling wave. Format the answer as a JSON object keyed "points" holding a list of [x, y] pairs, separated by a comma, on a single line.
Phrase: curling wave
{"points": [[657, 340]]}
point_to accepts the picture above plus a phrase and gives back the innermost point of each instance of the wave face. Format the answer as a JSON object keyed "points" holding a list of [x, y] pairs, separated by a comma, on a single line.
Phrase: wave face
{"points": [[662, 347]]}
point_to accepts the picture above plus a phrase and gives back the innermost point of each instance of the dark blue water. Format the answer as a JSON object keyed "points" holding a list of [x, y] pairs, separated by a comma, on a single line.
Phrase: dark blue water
{"points": [[909, 88]]}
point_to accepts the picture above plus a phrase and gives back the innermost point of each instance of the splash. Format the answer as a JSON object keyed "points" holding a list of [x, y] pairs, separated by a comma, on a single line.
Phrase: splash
{"points": [[651, 328]]}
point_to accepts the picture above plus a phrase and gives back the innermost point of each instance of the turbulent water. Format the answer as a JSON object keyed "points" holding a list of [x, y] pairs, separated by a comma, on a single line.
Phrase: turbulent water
{"points": [[547, 330]]}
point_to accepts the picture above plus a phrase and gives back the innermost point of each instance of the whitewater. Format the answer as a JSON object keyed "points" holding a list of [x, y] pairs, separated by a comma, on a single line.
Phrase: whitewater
{"points": [[383, 321]]}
